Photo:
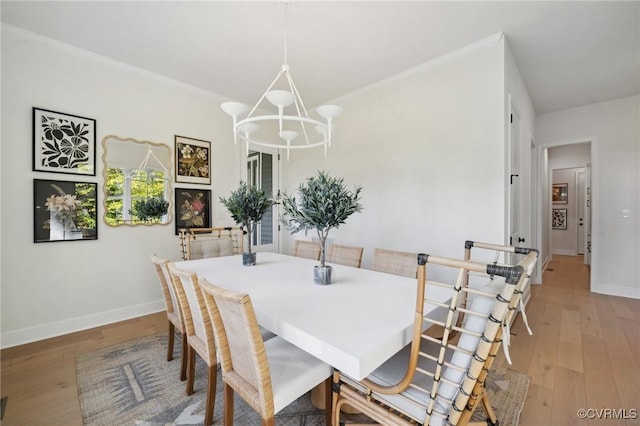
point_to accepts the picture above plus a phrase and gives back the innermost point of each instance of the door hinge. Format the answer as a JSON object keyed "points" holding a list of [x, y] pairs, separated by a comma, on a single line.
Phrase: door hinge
{"points": [[511, 179], [510, 241], [510, 118]]}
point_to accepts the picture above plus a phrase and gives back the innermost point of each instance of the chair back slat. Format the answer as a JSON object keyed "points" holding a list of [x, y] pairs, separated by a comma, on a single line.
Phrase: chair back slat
{"points": [[394, 262], [242, 351], [200, 243], [162, 270], [307, 249], [194, 310], [344, 255], [527, 262]]}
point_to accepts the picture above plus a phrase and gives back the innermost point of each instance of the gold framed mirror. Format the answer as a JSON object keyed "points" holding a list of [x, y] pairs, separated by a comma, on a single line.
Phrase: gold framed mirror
{"points": [[137, 182]]}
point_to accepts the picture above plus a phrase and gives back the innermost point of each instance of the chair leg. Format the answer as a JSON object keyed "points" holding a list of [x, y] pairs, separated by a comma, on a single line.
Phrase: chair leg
{"points": [[211, 394], [328, 394], [228, 405], [191, 370], [268, 422], [172, 334], [183, 361], [492, 419], [335, 414]]}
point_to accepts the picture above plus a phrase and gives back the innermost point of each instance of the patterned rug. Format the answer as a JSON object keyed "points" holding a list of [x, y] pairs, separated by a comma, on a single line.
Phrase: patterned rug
{"points": [[133, 384]]}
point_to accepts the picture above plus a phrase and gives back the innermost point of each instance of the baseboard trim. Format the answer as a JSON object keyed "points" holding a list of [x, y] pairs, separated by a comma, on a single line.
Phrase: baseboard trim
{"points": [[59, 328], [616, 290], [564, 252]]}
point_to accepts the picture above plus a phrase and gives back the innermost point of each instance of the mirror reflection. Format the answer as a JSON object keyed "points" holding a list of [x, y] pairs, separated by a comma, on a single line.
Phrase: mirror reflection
{"points": [[137, 182]]}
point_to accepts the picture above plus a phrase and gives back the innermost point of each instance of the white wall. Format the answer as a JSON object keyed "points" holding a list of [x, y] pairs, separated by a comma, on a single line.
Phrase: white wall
{"points": [[428, 148], [614, 129], [569, 156], [59, 287]]}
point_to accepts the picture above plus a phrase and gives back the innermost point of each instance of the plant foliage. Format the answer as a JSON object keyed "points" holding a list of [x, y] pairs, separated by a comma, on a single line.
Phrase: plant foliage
{"points": [[325, 203], [247, 205], [150, 209]]}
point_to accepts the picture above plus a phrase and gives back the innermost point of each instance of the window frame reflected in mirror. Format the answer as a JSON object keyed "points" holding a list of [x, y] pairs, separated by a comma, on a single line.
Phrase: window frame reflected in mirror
{"points": [[132, 171]]}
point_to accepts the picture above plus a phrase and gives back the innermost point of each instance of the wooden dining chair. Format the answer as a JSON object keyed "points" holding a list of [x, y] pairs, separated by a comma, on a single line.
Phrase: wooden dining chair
{"points": [[307, 249], [174, 316], [268, 375], [394, 262], [502, 255], [199, 332], [431, 379], [200, 243], [344, 255]]}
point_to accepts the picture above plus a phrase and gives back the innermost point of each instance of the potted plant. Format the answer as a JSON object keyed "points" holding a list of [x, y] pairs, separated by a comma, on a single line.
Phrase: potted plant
{"points": [[247, 205], [325, 203], [150, 209]]}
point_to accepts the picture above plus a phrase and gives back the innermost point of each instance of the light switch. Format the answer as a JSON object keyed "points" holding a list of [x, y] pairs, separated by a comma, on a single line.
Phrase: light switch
{"points": [[626, 213]]}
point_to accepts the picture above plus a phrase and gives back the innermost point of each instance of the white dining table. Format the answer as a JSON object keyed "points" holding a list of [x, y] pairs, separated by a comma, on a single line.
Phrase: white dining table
{"points": [[353, 324]]}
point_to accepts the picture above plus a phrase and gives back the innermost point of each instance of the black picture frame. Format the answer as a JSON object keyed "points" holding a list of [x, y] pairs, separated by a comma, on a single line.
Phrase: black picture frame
{"points": [[64, 210], [63, 143], [559, 219], [192, 208], [193, 160]]}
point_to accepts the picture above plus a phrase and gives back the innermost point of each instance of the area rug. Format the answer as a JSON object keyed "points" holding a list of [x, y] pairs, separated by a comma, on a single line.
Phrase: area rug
{"points": [[133, 384]]}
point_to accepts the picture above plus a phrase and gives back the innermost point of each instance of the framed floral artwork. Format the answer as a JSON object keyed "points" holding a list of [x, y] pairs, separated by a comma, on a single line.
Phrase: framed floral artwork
{"points": [[63, 143], [193, 208], [64, 210], [193, 160], [559, 219]]}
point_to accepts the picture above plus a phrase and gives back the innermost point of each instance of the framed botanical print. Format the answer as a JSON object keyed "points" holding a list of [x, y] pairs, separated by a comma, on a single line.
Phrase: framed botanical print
{"points": [[193, 160], [193, 208], [64, 210], [63, 143], [560, 193], [559, 219]]}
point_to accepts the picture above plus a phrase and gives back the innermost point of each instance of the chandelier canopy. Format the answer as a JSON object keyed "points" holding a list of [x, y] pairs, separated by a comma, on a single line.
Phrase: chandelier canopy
{"points": [[289, 124]]}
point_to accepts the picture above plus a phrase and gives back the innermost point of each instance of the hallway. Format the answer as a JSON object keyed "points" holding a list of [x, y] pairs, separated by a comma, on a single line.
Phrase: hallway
{"points": [[584, 352]]}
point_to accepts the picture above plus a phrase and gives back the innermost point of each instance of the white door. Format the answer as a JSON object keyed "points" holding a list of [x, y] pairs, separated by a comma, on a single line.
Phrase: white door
{"points": [[516, 234], [263, 168]]}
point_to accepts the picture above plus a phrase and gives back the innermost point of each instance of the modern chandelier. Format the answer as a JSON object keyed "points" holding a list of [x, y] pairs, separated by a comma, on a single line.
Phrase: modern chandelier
{"points": [[289, 125]]}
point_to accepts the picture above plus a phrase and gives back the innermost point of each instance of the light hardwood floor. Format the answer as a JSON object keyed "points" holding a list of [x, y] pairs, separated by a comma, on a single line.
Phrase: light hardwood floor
{"points": [[584, 353]]}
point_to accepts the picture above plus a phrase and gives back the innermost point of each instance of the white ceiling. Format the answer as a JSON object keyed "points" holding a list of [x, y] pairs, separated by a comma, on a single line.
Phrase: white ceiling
{"points": [[569, 53]]}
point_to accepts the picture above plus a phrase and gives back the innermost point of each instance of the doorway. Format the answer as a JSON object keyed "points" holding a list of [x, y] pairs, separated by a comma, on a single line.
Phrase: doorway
{"points": [[263, 171], [559, 156]]}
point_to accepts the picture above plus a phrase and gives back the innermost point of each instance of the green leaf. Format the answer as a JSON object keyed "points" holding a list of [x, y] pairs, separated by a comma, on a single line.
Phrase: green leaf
{"points": [[247, 205], [325, 202]]}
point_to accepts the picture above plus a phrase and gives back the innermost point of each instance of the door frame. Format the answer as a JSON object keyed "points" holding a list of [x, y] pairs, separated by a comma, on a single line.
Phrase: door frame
{"points": [[277, 170], [543, 202], [516, 174]]}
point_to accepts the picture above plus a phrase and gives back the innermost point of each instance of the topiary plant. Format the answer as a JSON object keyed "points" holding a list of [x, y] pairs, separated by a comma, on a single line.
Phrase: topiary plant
{"points": [[247, 205], [325, 203]]}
